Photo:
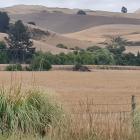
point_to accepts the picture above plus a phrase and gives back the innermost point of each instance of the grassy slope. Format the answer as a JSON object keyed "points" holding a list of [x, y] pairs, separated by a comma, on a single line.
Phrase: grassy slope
{"points": [[68, 23], [91, 29]]}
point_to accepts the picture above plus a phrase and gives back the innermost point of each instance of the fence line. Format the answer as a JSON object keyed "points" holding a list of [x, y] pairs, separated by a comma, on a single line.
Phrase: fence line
{"points": [[89, 111], [100, 113], [69, 104]]}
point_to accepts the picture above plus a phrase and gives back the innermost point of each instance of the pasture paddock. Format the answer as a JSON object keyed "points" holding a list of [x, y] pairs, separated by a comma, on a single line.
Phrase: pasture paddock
{"points": [[100, 86], [100, 99]]}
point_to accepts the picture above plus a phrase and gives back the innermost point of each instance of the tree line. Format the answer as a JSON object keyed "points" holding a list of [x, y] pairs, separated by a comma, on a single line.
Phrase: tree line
{"points": [[110, 55]]}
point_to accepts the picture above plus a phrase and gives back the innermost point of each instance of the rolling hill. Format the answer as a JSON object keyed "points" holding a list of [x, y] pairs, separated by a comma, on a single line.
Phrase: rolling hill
{"points": [[46, 40], [70, 29], [100, 33], [69, 23]]}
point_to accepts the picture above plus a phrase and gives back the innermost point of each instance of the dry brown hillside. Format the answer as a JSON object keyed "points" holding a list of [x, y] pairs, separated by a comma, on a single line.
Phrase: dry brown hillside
{"points": [[74, 30], [46, 40], [69, 23], [100, 33]]}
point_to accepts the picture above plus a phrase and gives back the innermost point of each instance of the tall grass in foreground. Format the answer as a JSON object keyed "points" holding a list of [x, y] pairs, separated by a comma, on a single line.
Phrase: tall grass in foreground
{"points": [[27, 112], [31, 115]]}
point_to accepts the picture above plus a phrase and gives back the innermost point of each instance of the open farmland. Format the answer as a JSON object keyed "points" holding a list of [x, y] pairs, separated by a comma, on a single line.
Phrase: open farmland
{"points": [[102, 86], [101, 96]]}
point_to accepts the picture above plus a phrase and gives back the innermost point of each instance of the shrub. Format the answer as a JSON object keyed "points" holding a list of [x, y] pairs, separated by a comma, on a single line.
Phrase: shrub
{"points": [[104, 57], [40, 63], [93, 48], [61, 46], [26, 112], [79, 67], [14, 67], [78, 49], [81, 12], [73, 49]]}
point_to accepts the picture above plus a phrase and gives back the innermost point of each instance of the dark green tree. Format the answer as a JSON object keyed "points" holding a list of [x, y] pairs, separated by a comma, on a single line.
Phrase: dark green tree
{"points": [[3, 53], [138, 59], [3, 57], [104, 57], [4, 22], [124, 10], [19, 42], [19, 36], [117, 47], [129, 59]]}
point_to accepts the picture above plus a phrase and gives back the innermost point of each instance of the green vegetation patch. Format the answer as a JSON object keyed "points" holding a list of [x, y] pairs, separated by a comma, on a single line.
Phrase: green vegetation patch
{"points": [[14, 67], [28, 112]]}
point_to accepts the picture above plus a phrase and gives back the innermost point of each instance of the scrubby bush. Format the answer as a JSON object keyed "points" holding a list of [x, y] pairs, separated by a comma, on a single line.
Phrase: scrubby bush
{"points": [[93, 48], [40, 63], [61, 46], [81, 12], [79, 67], [14, 67]]}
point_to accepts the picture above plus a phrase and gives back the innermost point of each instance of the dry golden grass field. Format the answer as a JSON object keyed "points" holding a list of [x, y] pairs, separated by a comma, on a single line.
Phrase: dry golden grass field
{"points": [[100, 86], [100, 99]]}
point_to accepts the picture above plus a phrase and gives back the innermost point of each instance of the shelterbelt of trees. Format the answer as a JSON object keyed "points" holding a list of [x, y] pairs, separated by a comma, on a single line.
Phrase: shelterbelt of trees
{"points": [[18, 49]]}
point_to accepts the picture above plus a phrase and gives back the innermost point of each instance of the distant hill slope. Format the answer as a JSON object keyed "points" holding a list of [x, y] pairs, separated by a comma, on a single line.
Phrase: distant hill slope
{"points": [[63, 20], [20, 9], [74, 30], [101, 33], [69, 23], [46, 40], [36, 8]]}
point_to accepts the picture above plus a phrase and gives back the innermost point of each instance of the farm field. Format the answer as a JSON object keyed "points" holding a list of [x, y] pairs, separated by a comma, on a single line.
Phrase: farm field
{"points": [[70, 73], [99, 97], [101, 86]]}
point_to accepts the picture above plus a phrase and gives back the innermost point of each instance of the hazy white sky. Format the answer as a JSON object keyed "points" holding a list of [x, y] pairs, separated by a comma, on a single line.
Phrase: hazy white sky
{"points": [[109, 5]]}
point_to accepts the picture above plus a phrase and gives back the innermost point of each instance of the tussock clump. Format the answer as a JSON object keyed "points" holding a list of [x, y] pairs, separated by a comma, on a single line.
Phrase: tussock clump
{"points": [[29, 112]]}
